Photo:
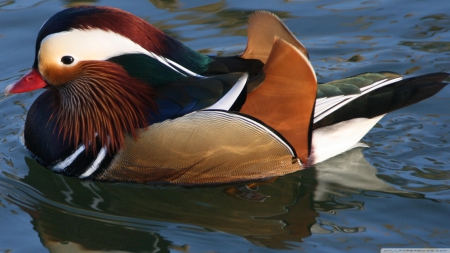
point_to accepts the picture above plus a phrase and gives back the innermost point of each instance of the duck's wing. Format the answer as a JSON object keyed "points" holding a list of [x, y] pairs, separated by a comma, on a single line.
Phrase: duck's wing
{"points": [[179, 91], [224, 92], [232, 64], [286, 98], [204, 147], [263, 27], [213, 147]]}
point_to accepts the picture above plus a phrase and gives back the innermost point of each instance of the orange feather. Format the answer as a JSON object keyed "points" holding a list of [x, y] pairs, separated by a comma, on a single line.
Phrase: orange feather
{"points": [[102, 101], [286, 99]]}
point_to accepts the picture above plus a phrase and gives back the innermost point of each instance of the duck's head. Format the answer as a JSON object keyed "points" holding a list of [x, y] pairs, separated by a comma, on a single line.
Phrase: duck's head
{"points": [[76, 35], [90, 60]]}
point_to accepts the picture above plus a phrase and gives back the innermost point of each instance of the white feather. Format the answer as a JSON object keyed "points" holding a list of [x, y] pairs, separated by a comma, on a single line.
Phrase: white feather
{"points": [[332, 140], [228, 99], [94, 166], [96, 44], [61, 166], [331, 104]]}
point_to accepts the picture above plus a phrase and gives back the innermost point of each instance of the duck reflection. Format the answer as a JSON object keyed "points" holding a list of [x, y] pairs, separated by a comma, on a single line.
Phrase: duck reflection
{"points": [[120, 216], [346, 174], [130, 217]]}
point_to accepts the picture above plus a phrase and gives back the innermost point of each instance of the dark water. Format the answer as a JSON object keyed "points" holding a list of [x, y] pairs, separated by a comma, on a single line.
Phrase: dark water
{"points": [[394, 194]]}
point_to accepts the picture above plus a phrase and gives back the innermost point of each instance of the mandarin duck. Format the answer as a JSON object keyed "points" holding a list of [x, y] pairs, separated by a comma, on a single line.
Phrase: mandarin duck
{"points": [[125, 102]]}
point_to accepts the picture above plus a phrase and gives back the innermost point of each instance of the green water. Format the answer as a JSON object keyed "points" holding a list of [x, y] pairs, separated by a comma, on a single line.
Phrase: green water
{"points": [[393, 194]]}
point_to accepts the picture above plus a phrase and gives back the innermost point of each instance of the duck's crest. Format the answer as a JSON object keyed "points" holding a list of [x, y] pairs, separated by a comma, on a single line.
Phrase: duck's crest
{"points": [[121, 22]]}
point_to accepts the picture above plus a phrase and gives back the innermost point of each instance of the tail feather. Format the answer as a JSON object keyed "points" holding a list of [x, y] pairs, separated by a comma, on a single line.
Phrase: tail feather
{"points": [[353, 85], [263, 27], [387, 99], [285, 101], [344, 127]]}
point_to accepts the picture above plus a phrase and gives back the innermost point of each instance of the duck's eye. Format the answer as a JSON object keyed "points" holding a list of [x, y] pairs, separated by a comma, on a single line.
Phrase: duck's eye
{"points": [[67, 60]]}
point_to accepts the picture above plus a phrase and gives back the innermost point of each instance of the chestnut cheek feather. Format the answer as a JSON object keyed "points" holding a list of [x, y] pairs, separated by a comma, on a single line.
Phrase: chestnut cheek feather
{"points": [[101, 100], [56, 74]]}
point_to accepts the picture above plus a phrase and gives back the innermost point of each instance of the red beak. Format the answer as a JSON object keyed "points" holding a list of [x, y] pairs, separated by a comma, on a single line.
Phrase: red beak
{"points": [[29, 82]]}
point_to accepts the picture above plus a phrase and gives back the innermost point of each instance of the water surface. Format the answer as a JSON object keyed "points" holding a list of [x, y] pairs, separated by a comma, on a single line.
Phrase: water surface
{"points": [[393, 194]]}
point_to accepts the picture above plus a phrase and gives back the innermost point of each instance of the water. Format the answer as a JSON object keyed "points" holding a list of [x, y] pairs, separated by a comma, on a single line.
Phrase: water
{"points": [[394, 194]]}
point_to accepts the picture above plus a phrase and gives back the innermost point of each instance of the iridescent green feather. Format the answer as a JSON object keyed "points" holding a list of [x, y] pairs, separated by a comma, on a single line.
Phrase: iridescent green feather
{"points": [[352, 85]]}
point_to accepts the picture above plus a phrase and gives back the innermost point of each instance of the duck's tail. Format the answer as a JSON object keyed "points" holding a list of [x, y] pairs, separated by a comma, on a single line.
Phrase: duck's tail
{"points": [[341, 121], [391, 93], [285, 101]]}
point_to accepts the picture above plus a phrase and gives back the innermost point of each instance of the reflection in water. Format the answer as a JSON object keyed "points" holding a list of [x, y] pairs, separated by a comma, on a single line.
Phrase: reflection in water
{"points": [[17, 5], [428, 26], [337, 180], [170, 5], [73, 3], [69, 213], [432, 46], [137, 211], [349, 173], [217, 16]]}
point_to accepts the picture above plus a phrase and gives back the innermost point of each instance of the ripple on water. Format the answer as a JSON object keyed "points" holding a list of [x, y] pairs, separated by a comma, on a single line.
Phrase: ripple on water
{"points": [[411, 152]]}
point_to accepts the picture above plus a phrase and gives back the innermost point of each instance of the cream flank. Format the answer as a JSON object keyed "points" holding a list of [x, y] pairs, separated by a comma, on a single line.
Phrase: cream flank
{"points": [[264, 128]]}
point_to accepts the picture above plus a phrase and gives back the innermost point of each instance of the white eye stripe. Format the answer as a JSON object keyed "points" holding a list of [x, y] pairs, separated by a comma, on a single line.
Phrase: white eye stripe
{"points": [[97, 44]]}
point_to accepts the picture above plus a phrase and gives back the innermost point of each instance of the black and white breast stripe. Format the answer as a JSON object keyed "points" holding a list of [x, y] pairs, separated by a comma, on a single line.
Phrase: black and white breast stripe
{"points": [[95, 164], [83, 165], [62, 165]]}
